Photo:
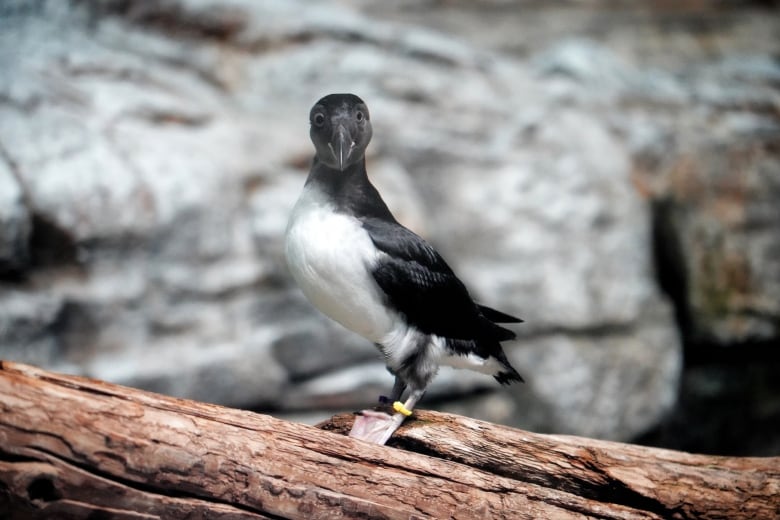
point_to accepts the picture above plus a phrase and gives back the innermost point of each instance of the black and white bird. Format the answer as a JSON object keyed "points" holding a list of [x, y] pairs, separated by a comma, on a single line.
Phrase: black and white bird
{"points": [[360, 267]]}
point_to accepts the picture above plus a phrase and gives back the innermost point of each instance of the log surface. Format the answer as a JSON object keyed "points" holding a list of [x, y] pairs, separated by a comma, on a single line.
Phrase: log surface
{"points": [[71, 447]]}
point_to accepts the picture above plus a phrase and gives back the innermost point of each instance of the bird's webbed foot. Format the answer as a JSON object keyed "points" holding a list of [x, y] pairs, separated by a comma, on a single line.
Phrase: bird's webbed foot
{"points": [[377, 427]]}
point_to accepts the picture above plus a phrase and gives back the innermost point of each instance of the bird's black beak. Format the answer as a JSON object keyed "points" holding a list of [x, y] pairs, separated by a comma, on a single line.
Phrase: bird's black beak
{"points": [[341, 146]]}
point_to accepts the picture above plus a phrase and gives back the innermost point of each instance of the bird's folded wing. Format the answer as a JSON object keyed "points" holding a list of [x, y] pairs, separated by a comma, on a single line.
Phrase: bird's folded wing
{"points": [[420, 285]]}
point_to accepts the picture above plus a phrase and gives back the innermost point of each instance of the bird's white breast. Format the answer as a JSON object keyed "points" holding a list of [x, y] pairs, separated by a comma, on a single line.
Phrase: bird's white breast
{"points": [[330, 256]]}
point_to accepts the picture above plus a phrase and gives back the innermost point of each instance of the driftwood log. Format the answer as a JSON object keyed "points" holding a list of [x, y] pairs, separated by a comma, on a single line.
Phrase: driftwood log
{"points": [[72, 447]]}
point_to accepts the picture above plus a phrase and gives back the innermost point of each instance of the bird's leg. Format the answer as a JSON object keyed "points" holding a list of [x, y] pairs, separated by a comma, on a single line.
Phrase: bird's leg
{"points": [[377, 427], [398, 390], [406, 408]]}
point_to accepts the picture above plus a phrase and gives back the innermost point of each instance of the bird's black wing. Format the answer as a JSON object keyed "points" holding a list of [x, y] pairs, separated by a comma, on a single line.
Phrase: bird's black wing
{"points": [[420, 285]]}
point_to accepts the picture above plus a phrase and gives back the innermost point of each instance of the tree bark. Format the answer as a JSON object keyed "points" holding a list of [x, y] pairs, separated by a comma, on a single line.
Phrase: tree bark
{"points": [[71, 447]]}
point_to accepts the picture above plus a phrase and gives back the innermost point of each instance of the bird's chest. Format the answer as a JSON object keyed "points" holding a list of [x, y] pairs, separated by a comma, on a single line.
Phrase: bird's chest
{"points": [[330, 256]]}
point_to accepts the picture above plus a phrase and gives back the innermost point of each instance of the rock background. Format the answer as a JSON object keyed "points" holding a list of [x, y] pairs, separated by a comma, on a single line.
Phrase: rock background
{"points": [[608, 171]]}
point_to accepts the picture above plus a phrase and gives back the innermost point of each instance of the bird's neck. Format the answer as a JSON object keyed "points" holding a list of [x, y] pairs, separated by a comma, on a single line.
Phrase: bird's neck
{"points": [[350, 189], [321, 173]]}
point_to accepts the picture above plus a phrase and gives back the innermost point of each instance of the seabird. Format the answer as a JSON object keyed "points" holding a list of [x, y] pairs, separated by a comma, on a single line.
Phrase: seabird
{"points": [[362, 268]]}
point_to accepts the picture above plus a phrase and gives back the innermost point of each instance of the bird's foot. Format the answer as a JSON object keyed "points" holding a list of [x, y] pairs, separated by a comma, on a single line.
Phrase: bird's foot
{"points": [[376, 427]]}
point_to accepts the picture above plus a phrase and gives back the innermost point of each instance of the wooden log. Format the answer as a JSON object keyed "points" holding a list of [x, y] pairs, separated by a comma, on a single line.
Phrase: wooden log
{"points": [[72, 447]]}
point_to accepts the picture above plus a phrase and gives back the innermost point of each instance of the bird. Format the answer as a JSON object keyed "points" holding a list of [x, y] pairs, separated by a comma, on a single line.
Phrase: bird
{"points": [[359, 266]]}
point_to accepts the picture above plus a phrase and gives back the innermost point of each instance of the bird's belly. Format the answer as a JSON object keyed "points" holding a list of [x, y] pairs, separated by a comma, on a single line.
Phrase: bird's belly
{"points": [[330, 255]]}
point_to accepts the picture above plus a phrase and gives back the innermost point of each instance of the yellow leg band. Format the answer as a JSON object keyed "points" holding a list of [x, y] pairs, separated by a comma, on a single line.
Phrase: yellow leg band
{"points": [[399, 407]]}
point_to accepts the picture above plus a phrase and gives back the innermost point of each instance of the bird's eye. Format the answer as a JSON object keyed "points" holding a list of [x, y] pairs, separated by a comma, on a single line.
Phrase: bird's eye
{"points": [[359, 116], [318, 119]]}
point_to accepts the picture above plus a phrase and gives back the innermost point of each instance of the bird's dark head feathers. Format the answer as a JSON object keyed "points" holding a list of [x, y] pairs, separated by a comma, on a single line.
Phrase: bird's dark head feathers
{"points": [[340, 130]]}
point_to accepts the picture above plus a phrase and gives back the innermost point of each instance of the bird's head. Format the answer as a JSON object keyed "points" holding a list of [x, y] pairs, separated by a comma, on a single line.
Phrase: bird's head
{"points": [[340, 130]]}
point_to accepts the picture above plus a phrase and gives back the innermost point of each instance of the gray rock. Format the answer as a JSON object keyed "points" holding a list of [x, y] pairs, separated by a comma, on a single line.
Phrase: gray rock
{"points": [[28, 327], [712, 171], [724, 223], [15, 223], [593, 383]]}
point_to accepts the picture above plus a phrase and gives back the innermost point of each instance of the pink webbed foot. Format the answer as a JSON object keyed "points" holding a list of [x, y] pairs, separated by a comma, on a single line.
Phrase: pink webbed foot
{"points": [[376, 427]]}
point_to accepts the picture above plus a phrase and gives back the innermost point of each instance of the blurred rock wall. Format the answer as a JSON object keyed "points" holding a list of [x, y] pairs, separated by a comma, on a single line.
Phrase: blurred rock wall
{"points": [[610, 175]]}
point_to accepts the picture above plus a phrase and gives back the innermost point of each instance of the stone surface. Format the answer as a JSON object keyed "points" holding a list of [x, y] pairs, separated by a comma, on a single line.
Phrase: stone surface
{"points": [[720, 211], [14, 223], [151, 153]]}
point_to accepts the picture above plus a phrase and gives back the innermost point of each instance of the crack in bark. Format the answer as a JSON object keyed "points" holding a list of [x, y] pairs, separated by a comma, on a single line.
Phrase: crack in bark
{"points": [[146, 488], [610, 491], [617, 492]]}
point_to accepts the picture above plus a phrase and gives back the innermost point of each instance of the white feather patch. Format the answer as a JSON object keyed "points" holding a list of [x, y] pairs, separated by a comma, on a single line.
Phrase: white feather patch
{"points": [[330, 256]]}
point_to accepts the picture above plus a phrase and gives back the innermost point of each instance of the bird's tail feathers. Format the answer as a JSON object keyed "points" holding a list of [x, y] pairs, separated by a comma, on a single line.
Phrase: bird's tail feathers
{"points": [[508, 376], [502, 334], [497, 316], [492, 317]]}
